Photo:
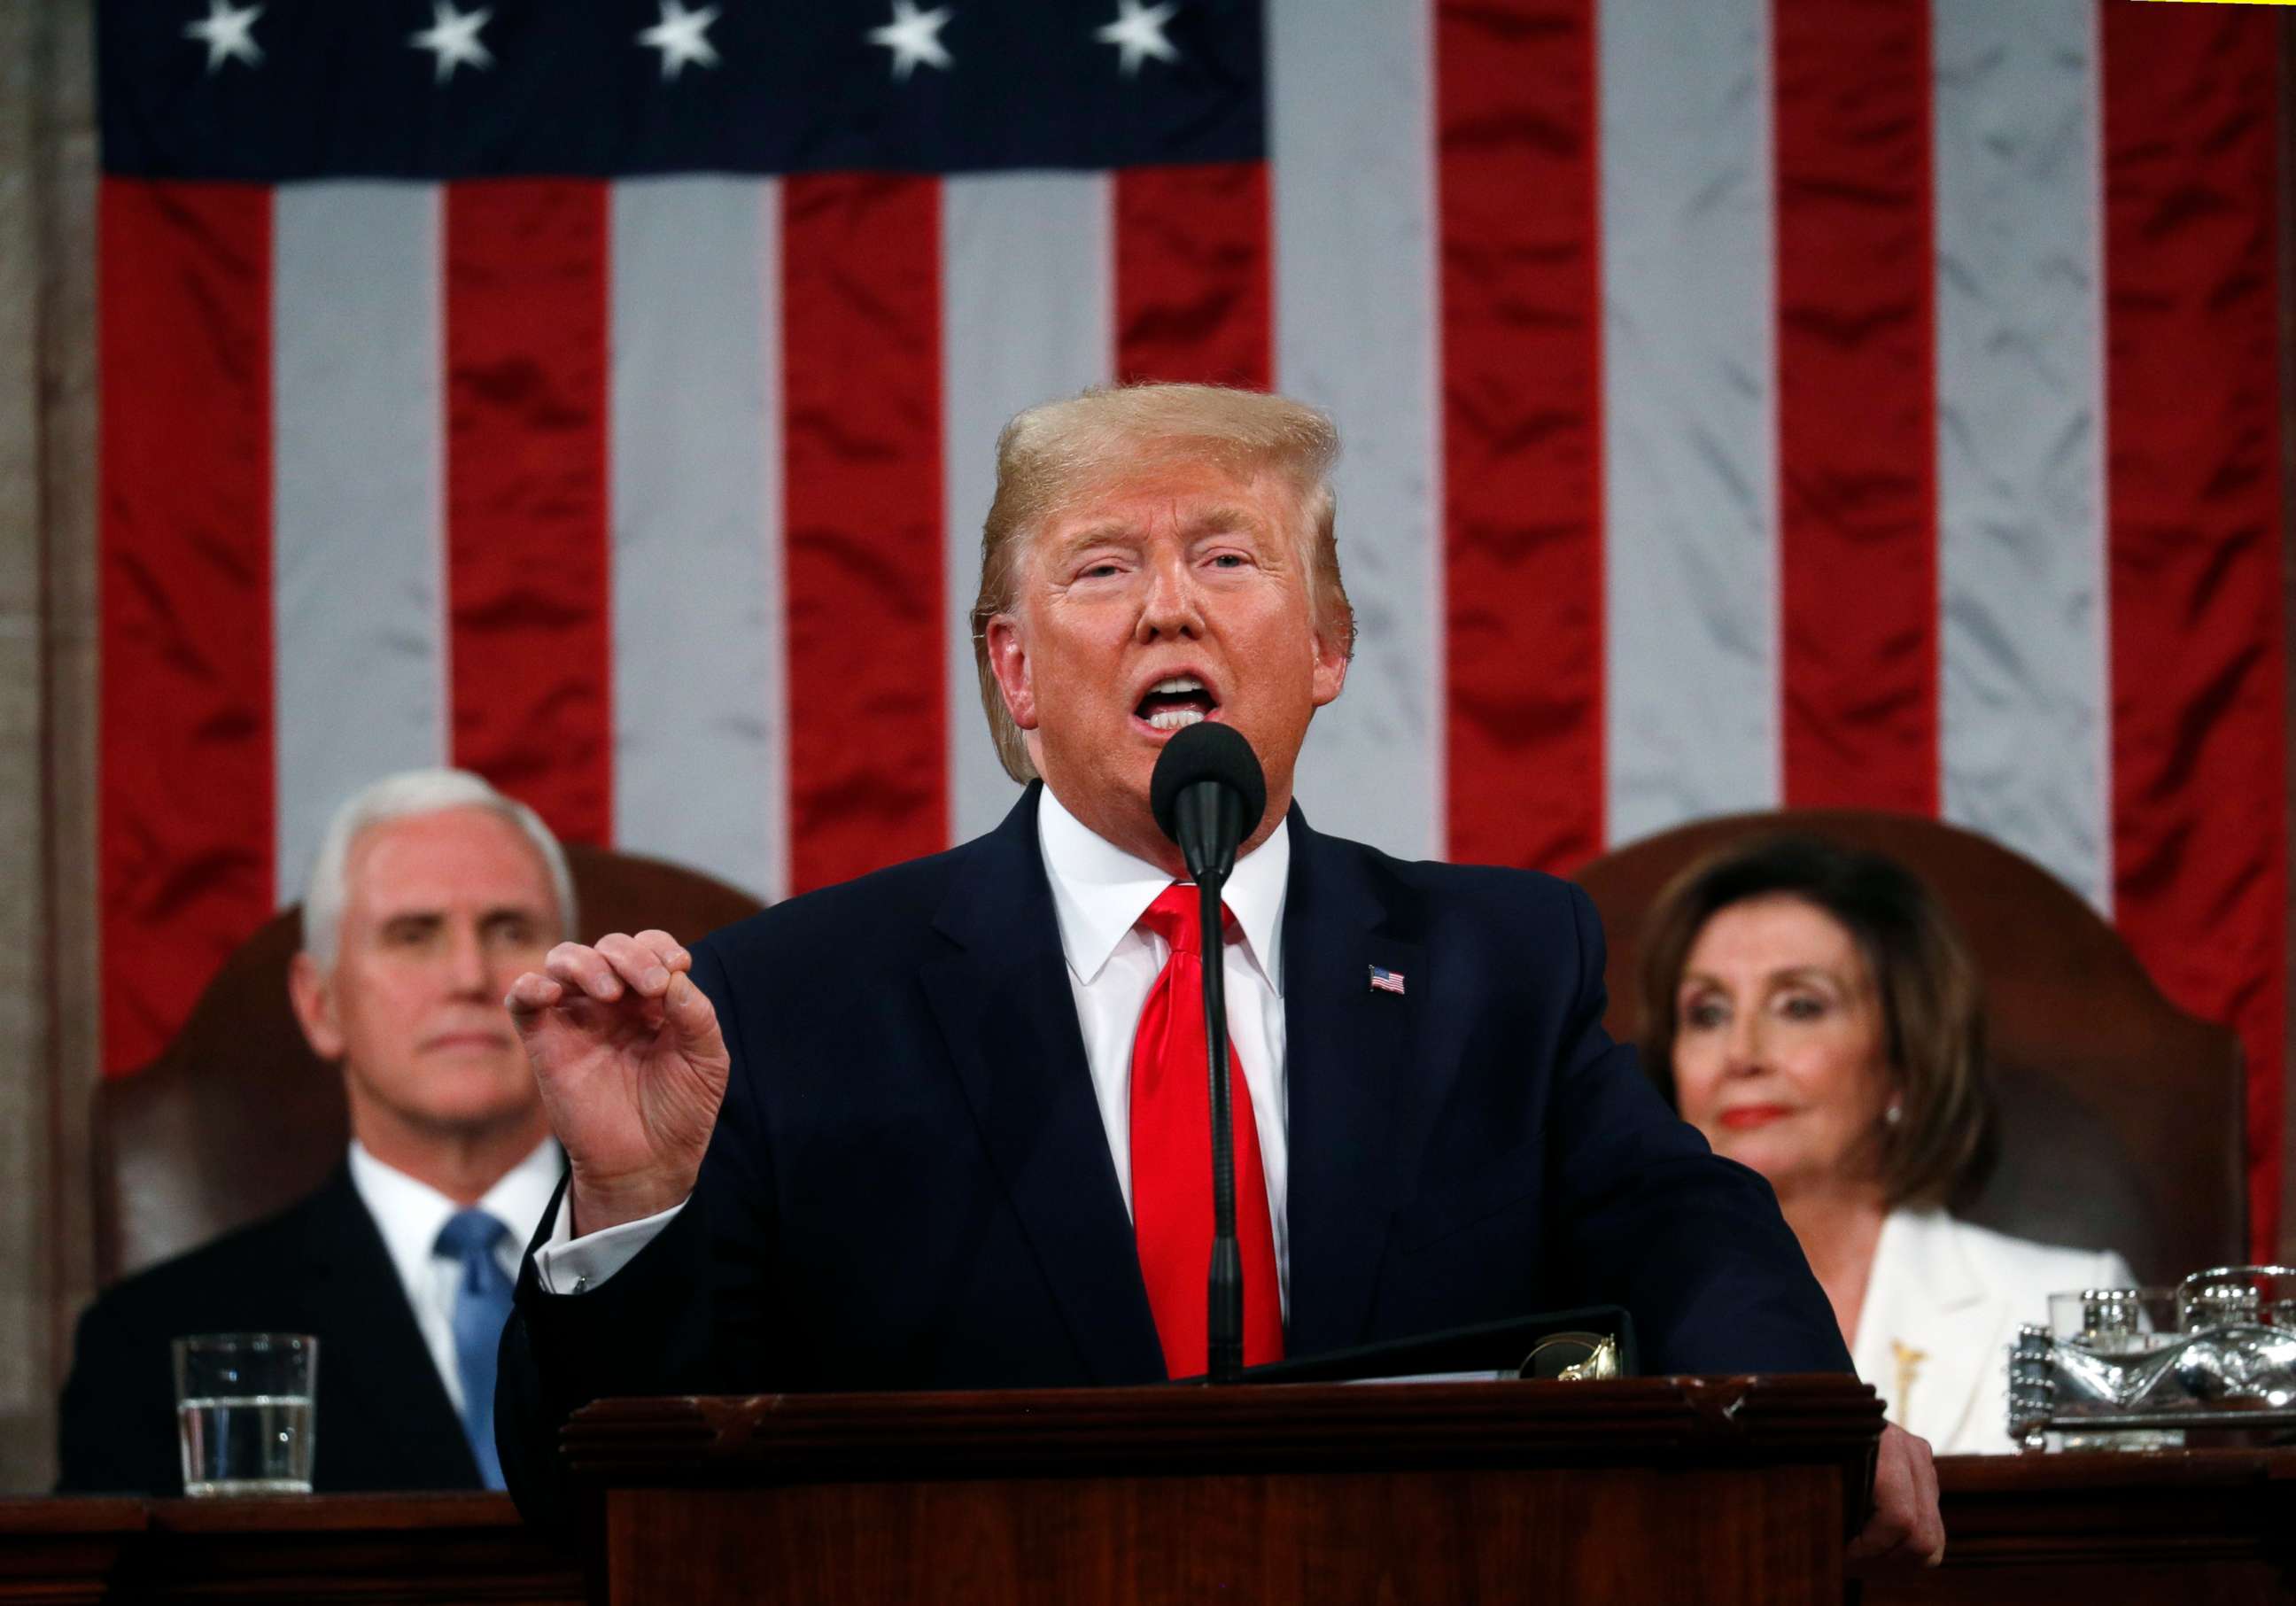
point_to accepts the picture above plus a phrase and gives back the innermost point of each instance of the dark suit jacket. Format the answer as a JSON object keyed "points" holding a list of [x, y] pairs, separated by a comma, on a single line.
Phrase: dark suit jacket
{"points": [[384, 1421], [909, 1186]]}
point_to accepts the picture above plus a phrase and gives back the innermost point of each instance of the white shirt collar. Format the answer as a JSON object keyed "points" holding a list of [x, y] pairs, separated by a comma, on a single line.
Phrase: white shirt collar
{"points": [[409, 1212], [1100, 892]]}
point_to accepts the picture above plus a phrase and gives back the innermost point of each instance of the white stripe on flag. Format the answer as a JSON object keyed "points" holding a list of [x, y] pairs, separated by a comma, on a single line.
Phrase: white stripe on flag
{"points": [[2024, 723], [358, 453], [700, 723], [1690, 412], [1026, 314], [1351, 140]]}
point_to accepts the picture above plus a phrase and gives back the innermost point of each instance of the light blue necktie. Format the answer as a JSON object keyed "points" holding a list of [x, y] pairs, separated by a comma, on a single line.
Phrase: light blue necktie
{"points": [[482, 1300]]}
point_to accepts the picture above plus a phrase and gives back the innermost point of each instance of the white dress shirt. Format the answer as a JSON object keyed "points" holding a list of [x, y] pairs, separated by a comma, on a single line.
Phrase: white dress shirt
{"points": [[1098, 894], [409, 1215]]}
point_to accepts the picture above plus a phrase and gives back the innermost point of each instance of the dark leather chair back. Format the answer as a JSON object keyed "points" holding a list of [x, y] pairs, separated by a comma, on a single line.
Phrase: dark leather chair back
{"points": [[2120, 1116], [237, 1117]]}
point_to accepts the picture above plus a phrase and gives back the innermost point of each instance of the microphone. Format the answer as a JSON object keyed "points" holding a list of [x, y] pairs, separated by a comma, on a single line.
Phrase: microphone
{"points": [[1208, 791]]}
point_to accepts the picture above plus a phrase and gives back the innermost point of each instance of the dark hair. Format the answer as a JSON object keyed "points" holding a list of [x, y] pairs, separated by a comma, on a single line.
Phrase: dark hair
{"points": [[1931, 1001]]}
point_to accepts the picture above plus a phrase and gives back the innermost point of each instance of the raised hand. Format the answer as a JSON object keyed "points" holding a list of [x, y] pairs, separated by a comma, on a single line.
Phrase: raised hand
{"points": [[632, 1069]]}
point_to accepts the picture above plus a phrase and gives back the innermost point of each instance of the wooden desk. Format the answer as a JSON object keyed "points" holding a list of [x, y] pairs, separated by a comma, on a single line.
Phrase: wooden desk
{"points": [[2167, 1528], [2173, 1529], [369, 1548], [1700, 1491]]}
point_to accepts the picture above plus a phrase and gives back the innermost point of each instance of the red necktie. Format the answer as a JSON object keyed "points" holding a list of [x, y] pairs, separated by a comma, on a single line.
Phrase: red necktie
{"points": [[1172, 1158]]}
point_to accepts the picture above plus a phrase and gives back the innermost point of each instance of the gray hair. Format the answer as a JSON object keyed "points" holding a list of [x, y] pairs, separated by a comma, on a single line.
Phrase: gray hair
{"points": [[399, 797]]}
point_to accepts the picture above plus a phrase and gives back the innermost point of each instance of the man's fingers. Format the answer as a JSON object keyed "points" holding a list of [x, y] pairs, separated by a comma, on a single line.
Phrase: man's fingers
{"points": [[584, 970], [639, 966], [530, 993], [618, 965], [1924, 1539], [690, 1012], [1906, 1526], [645, 961], [1929, 1529], [671, 951], [1884, 1547], [1894, 1489], [1884, 1534]]}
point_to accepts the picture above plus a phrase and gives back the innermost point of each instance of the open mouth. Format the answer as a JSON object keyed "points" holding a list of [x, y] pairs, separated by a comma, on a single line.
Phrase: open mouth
{"points": [[1175, 702]]}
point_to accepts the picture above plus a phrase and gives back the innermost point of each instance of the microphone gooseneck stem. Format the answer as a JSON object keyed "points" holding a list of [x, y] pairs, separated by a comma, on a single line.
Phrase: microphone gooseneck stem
{"points": [[1224, 1327]]}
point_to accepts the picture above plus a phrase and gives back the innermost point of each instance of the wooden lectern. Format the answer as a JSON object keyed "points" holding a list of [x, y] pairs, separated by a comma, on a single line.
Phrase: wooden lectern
{"points": [[1690, 1489]]}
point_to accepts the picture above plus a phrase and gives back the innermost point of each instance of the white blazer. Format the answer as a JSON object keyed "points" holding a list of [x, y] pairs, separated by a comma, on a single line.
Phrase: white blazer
{"points": [[1943, 1304]]}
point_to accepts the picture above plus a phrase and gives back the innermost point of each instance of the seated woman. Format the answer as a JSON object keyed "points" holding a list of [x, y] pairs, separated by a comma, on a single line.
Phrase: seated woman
{"points": [[1810, 1010]]}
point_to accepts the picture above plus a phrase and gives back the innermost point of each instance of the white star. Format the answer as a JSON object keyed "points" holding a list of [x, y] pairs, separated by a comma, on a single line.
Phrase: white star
{"points": [[227, 33], [1138, 31], [913, 36], [682, 36], [453, 39]]}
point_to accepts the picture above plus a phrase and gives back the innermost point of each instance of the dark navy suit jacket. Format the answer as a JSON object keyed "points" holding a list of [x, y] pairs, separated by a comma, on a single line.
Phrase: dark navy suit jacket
{"points": [[910, 1187], [385, 1421]]}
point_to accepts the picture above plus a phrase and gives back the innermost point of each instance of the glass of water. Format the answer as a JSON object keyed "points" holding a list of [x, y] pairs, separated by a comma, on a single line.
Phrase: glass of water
{"points": [[243, 1412]]}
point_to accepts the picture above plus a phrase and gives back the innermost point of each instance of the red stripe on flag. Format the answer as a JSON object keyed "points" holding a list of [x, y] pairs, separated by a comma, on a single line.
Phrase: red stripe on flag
{"points": [[527, 512], [1192, 274], [185, 827], [861, 344], [1856, 404], [1523, 450], [2193, 548]]}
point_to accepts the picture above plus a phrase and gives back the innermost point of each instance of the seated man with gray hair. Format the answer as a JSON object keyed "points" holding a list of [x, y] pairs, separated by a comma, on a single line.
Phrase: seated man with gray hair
{"points": [[431, 892]]}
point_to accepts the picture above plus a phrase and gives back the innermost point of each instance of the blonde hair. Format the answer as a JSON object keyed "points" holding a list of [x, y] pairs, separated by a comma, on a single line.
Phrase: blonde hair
{"points": [[1051, 458]]}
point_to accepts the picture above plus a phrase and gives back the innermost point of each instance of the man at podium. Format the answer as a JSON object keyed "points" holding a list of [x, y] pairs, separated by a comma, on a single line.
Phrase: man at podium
{"points": [[944, 1126]]}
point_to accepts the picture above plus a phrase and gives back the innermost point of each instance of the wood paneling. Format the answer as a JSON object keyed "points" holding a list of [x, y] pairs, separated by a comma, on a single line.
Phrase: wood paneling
{"points": [[2197, 1528], [23, 1374], [1688, 1489], [47, 685], [370, 1548]]}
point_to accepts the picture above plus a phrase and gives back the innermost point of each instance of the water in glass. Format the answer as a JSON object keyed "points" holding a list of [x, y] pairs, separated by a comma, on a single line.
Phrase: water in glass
{"points": [[250, 1445]]}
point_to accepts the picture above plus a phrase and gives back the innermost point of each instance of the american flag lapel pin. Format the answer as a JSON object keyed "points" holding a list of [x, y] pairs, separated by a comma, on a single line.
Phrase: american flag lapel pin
{"points": [[1384, 980]]}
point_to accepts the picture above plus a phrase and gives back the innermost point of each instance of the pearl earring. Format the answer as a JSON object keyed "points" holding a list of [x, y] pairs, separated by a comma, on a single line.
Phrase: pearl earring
{"points": [[1895, 1114]]}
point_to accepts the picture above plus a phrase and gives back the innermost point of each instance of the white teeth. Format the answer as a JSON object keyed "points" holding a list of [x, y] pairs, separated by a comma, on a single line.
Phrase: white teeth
{"points": [[1179, 683], [1172, 719]]}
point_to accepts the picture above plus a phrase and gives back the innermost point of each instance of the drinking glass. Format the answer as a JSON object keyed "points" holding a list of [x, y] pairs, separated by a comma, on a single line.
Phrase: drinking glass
{"points": [[243, 1409]]}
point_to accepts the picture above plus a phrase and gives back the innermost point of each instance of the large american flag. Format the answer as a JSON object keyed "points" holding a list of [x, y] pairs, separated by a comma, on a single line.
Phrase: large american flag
{"points": [[1747, 402]]}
